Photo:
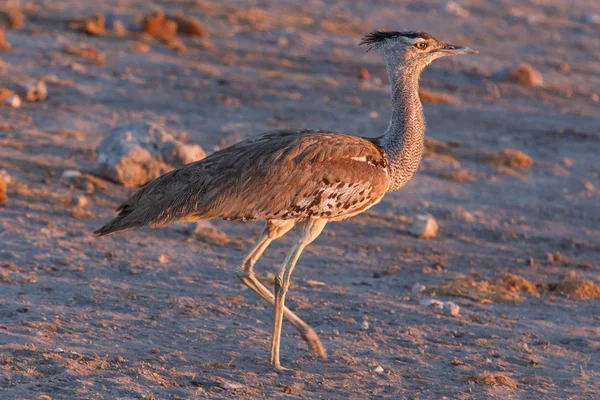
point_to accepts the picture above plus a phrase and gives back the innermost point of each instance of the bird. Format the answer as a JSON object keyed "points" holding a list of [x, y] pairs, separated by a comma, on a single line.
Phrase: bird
{"points": [[299, 179]]}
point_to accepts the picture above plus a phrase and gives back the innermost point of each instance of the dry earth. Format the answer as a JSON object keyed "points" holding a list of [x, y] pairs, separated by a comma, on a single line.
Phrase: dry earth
{"points": [[89, 318]]}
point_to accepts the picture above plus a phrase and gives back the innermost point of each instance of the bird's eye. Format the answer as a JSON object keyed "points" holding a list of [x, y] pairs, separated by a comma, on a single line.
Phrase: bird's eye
{"points": [[421, 45]]}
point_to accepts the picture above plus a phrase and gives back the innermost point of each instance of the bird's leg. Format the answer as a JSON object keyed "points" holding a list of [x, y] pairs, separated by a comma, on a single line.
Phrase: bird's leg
{"points": [[308, 231], [274, 230]]}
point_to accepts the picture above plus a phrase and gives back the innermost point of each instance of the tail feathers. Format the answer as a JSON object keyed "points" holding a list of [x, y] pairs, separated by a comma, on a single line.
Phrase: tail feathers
{"points": [[117, 224]]}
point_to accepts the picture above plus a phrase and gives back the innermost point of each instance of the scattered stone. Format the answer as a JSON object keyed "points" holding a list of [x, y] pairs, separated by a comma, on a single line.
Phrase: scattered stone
{"points": [[433, 303], [424, 226], [12, 17], [230, 385], [33, 91], [119, 28], [177, 153], [80, 201], [3, 188], [58, 350], [592, 19], [95, 25], [287, 390], [453, 8], [136, 153], [4, 45], [364, 326], [336, 332], [159, 26], [524, 75], [70, 174], [189, 26], [163, 259], [4, 175], [13, 101], [417, 289], [363, 74], [450, 309]]}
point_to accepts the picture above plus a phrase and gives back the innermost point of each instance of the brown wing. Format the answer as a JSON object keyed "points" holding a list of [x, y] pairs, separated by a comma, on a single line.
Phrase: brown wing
{"points": [[278, 175]]}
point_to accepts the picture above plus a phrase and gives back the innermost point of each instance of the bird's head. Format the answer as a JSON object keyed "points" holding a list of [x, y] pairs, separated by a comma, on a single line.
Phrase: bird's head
{"points": [[411, 48]]}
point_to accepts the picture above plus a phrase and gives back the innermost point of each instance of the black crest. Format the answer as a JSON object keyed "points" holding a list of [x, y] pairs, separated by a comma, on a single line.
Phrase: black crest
{"points": [[373, 38]]}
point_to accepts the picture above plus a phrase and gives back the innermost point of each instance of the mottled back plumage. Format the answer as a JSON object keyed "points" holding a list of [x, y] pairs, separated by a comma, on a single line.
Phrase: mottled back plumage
{"points": [[284, 174]]}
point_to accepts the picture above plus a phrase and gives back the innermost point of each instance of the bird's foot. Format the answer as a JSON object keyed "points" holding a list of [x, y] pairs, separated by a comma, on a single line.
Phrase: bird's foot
{"points": [[281, 370], [311, 338]]}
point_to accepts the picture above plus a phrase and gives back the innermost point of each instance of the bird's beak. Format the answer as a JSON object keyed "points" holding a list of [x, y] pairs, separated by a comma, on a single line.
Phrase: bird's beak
{"points": [[452, 50]]}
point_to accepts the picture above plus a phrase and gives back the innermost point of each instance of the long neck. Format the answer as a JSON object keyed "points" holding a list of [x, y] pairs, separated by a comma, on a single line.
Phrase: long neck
{"points": [[403, 141]]}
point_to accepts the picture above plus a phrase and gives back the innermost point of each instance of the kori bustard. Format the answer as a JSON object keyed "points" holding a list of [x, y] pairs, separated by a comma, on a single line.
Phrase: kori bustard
{"points": [[299, 179]]}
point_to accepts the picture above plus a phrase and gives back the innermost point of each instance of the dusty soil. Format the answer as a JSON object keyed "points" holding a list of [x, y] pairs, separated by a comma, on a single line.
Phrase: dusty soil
{"points": [[89, 318]]}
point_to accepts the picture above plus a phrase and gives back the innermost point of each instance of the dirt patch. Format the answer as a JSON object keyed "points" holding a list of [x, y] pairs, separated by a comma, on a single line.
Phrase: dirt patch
{"points": [[509, 289], [506, 158], [489, 379]]}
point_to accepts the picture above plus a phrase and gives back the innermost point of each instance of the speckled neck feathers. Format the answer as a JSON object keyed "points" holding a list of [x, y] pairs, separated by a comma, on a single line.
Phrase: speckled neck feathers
{"points": [[403, 141]]}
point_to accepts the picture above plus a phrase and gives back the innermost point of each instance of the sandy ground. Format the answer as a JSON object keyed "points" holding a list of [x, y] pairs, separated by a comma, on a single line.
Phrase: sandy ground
{"points": [[89, 318]]}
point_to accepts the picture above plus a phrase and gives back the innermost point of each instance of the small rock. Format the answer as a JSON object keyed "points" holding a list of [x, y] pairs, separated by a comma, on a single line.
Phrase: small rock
{"points": [[13, 101], [524, 75], [336, 332], [163, 259], [136, 153], [80, 201], [282, 42], [4, 45], [70, 174], [364, 326], [595, 97], [13, 17], [417, 289], [424, 226], [3, 188], [230, 385], [379, 370], [363, 74], [428, 302], [58, 350], [4, 175], [33, 91], [119, 28], [456, 9], [592, 19], [451, 309]]}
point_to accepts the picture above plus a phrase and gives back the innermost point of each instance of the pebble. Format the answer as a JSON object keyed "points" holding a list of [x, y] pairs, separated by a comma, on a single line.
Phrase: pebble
{"points": [[379, 370], [80, 201], [336, 332], [13, 101], [456, 9], [417, 289], [433, 303], [525, 75], [229, 385], [450, 309], [58, 350], [424, 226], [3, 187], [364, 326], [34, 91], [70, 174], [592, 19], [163, 259]]}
